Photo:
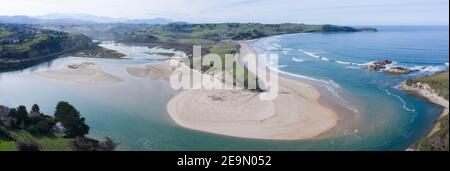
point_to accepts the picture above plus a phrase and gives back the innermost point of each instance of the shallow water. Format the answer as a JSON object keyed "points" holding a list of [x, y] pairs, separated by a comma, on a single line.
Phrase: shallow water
{"points": [[386, 114], [134, 112]]}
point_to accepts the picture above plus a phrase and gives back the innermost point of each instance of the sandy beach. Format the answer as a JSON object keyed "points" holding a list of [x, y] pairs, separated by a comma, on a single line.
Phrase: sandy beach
{"points": [[295, 114], [151, 71], [80, 72]]}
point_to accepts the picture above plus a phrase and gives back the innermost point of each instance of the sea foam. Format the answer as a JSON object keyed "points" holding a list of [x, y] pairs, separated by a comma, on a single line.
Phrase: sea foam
{"points": [[297, 60], [405, 105]]}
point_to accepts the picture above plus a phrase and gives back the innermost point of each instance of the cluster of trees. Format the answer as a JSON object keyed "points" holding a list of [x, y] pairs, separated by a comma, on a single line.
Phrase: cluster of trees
{"points": [[34, 121], [71, 120], [67, 119]]}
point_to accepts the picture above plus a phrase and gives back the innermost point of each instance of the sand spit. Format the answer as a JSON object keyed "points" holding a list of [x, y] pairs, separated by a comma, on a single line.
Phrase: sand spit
{"points": [[295, 114], [80, 72]]}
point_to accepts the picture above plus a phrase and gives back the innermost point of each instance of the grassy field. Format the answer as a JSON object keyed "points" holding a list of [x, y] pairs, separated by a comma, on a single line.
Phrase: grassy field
{"points": [[439, 82], [47, 143], [6, 145], [4, 33], [22, 47]]}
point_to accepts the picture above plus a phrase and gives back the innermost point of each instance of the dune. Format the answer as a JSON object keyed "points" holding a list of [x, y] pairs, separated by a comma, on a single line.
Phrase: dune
{"points": [[151, 71]]}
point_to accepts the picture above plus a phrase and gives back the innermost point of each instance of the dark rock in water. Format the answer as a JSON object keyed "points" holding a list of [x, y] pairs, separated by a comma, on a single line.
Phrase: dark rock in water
{"points": [[399, 70], [379, 65]]}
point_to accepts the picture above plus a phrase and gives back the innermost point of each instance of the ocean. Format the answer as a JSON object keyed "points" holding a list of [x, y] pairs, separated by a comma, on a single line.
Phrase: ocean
{"points": [[134, 113]]}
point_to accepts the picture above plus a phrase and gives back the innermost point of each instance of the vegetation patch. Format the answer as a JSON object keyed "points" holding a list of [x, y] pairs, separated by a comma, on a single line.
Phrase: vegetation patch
{"points": [[439, 141], [7, 145], [33, 131], [438, 82], [161, 54]]}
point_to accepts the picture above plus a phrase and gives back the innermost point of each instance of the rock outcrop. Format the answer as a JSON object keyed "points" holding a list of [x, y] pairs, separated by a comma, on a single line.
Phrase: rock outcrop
{"points": [[399, 70], [379, 65]]}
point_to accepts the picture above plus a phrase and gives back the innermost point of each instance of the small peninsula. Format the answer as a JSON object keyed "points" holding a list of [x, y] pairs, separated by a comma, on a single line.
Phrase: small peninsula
{"points": [[434, 88]]}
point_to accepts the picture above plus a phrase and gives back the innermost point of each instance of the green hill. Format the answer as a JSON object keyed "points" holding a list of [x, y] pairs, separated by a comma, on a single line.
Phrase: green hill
{"points": [[22, 46], [438, 82], [438, 140]]}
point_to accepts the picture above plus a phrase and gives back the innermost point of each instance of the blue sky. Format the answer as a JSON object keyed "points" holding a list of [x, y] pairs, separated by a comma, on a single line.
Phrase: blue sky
{"points": [[346, 12]]}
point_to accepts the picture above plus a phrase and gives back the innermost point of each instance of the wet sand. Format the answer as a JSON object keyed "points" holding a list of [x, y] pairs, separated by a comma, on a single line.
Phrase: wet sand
{"points": [[80, 72], [295, 114]]}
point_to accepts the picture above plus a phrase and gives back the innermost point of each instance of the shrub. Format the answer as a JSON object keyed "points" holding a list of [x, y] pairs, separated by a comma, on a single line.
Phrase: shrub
{"points": [[32, 130], [70, 117], [27, 146], [88, 144], [5, 134]]}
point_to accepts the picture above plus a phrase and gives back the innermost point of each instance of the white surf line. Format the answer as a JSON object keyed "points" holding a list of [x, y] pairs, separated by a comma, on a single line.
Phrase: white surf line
{"points": [[328, 82], [286, 52], [330, 86], [297, 60], [314, 55], [405, 107], [282, 66]]}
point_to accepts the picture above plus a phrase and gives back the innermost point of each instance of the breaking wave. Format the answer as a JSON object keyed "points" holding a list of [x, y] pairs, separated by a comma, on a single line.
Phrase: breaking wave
{"points": [[420, 68], [297, 60], [405, 105]]}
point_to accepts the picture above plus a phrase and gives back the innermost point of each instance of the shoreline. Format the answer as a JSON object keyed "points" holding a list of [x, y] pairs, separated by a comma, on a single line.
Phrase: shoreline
{"points": [[427, 95], [295, 114], [435, 139], [432, 97], [81, 72]]}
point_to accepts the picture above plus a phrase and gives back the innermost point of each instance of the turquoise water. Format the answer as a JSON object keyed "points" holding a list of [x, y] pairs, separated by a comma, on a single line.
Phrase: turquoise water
{"points": [[342, 58], [134, 112]]}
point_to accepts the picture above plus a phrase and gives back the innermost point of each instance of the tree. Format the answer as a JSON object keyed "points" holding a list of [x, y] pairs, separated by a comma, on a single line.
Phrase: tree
{"points": [[5, 134], [13, 112], [44, 126], [20, 114], [35, 109], [70, 118]]}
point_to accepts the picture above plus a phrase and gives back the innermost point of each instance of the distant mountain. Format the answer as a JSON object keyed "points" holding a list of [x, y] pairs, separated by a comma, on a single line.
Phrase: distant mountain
{"points": [[149, 21], [81, 17], [19, 19], [57, 18]]}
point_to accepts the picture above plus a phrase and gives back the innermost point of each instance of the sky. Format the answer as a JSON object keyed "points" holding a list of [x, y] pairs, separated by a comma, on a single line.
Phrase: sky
{"points": [[344, 12]]}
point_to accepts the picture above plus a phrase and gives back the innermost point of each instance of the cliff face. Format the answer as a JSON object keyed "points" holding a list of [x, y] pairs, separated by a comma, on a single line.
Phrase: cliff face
{"points": [[428, 92], [434, 88]]}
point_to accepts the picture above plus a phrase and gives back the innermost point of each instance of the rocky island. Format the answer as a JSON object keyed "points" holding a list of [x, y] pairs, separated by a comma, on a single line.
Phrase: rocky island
{"points": [[383, 65]]}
